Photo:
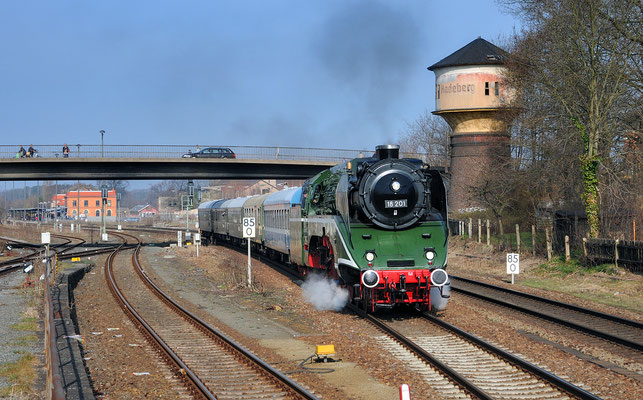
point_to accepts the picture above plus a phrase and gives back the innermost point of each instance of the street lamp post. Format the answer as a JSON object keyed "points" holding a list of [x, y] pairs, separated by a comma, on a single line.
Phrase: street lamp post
{"points": [[102, 132]]}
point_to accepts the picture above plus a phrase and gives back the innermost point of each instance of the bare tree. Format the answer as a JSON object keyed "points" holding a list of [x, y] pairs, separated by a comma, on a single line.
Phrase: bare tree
{"points": [[428, 134], [568, 59]]}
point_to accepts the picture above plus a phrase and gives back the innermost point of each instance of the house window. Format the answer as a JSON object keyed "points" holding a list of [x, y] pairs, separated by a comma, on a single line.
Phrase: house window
{"points": [[98, 213], [486, 88], [86, 203], [497, 88], [109, 203], [97, 203], [74, 213], [73, 203], [109, 213]]}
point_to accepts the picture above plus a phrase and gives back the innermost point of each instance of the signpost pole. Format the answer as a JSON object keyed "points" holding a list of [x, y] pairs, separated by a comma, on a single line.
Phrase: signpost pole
{"points": [[249, 265], [249, 233]]}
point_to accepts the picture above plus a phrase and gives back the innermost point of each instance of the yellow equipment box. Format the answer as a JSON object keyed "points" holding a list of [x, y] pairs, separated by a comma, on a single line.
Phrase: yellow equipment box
{"points": [[325, 350], [75, 259]]}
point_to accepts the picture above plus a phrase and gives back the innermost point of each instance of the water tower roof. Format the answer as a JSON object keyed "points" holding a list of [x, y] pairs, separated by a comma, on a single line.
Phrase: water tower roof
{"points": [[478, 52]]}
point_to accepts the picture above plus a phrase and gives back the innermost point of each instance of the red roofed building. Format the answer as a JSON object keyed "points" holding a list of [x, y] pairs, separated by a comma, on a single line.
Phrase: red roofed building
{"points": [[87, 203]]}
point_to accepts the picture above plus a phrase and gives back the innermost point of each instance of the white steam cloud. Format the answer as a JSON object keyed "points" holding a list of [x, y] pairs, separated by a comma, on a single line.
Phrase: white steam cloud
{"points": [[324, 294]]}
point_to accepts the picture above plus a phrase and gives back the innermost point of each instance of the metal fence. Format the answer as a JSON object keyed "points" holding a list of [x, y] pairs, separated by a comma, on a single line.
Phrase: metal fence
{"points": [[176, 151]]}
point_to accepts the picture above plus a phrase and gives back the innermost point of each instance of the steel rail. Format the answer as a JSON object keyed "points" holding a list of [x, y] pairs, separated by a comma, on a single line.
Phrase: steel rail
{"points": [[567, 323], [148, 331], [453, 375], [449, 372], [589, 311], [276, 375], [549, 377]]}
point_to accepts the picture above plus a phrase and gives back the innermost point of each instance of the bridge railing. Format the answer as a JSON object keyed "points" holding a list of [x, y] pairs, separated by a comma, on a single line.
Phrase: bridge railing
{"points": [[176, 151]]}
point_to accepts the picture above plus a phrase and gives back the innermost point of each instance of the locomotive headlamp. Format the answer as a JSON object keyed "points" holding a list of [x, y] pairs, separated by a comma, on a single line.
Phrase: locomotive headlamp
{"points": [[370, 256], [370, 278], [395, 186], [439, 277], [430, 255]]}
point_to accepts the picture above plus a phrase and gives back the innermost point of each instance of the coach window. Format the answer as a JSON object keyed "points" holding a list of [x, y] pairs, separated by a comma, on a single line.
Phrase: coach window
{"points": [[486, 88]]}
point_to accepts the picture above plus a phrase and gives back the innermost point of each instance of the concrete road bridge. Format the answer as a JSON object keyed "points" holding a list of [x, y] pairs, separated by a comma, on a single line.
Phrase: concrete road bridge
{"points": [[96, 162]]}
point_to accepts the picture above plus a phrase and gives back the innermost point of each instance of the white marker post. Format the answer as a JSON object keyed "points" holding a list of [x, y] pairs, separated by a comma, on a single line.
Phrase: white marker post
{"points": [[45, 238], [513, 265], [179, 238], [405, 392], [197, 241], [248, 233]]}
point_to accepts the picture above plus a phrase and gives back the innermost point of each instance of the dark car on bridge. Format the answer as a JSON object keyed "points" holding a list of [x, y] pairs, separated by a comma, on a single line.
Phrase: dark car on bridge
{"points": [[211, 152]]}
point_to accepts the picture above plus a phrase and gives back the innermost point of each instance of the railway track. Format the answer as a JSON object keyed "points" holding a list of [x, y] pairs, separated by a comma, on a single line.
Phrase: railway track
{"points": [[35, 251], [64, 251], [608, 327], [462, 366], [211, 364]]}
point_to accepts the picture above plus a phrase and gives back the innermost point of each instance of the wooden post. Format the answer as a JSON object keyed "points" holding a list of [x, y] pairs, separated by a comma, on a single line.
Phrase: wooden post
{"points": [[470, 228], [488, 234], [567, 256], [533, 240], [548, 240], [502, 231], [616, 252], [585, 247], [518, 238], [479, 230]]}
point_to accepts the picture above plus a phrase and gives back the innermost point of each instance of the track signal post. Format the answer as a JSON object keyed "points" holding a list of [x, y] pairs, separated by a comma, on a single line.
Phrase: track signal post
{"points": [[249, 233]]}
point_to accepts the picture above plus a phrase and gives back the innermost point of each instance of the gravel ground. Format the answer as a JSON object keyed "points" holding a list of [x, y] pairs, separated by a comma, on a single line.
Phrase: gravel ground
{"points": [[275, 322], [17, 303]]}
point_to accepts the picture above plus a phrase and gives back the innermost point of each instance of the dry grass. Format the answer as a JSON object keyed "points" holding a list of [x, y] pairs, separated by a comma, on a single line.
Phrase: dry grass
{"points": [[229, 269], [21, 375], [602, 284]]}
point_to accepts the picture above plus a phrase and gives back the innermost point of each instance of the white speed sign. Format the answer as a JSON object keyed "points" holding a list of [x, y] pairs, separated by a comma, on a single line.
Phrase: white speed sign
{"points": [[249, 227], [513, 263]]}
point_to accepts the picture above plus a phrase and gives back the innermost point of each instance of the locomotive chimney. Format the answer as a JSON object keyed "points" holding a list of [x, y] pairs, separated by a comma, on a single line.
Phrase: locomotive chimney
{"points": [[385, 151]]}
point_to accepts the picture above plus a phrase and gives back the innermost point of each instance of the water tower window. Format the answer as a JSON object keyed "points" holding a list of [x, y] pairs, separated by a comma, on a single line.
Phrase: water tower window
{"points": [[486, 88], [497, 88], [437, 91]]}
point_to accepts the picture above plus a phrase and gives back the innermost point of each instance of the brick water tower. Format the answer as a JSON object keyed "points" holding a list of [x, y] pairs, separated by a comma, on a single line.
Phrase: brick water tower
{"points": [[470, 96]]}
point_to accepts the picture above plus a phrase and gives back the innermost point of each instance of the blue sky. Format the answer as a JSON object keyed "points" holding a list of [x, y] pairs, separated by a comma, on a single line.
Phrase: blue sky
{"points": [[339, 74]]}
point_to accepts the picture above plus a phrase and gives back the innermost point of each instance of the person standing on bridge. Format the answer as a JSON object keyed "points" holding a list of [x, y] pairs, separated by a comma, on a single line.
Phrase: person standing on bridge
{"points": [[65, 151]]}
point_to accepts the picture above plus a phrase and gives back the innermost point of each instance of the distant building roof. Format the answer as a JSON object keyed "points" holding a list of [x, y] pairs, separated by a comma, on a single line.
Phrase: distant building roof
{"points": [[478, 52], [138, 208]]}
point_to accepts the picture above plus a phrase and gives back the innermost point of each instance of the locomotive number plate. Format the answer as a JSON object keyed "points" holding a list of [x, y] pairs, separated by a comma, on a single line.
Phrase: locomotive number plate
{"points": [[402, 203]]}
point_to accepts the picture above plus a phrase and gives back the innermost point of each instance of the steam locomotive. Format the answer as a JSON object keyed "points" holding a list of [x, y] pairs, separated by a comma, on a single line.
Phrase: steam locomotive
{"points": [[377, 225]]}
